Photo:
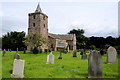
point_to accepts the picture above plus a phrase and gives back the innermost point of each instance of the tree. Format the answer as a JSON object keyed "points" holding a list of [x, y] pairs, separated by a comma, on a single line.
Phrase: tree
{"points": [[13, 40], [92, 47], [111, 41], [80, 38], [77, 32], [0, 43], [35, 40]]}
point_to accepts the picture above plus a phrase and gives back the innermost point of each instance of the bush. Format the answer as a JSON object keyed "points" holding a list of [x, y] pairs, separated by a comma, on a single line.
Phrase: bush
{"points": [[92, 47], [46, 50], [107, 46], [117, 47], [81, 53], [101, 52], [35, 50], [49, 50], [40, 50], [65, 51]]}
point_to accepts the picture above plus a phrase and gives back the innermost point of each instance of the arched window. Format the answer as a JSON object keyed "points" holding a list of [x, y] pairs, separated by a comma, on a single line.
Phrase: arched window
{"points": [[33, 24], [34, 17], [43, 17], [44, 25]]}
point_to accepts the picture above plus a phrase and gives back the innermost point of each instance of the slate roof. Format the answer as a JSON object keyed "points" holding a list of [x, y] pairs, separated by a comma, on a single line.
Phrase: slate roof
{"points": [[61, 36]]}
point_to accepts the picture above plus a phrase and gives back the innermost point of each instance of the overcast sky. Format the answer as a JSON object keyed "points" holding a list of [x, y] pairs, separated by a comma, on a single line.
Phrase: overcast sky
{"points": [[96, 18]]}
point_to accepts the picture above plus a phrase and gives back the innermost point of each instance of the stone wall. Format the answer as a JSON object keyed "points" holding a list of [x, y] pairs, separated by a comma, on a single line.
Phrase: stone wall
{"points": [[52, 43], [38, 22]]}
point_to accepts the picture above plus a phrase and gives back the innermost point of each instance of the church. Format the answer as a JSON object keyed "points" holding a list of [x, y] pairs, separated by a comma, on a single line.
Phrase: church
{"points": [[38, 22]]}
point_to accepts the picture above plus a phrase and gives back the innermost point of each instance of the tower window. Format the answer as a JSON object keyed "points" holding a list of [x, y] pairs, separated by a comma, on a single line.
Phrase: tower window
{"points": [[44, 25], [34, 24], [34, 16], [43, 17]]}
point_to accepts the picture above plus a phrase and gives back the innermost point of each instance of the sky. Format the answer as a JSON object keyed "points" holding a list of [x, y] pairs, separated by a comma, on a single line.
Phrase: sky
{"points": [[96, 18]]}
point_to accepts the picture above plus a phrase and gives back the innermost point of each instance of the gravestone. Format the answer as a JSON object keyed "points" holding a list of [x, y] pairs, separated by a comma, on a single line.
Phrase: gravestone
{"points": [[10, 50], [111, 55], [24, 51], [16, 56], [17, 50], [4, 52], [74, 54], [18, 68], [50, 59], [84, 56], [95, 65], [60, 57]]}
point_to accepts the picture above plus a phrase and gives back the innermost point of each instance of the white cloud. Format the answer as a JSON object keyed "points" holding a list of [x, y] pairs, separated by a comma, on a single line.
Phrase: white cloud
{"points": [[13, 24], [92, 29], [99, 19]]}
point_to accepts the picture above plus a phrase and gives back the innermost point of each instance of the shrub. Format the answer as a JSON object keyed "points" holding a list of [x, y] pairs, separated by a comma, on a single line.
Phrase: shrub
{"points": [[93, 47], [40, 50], [81, 53], [35, 50], [49, 50], [46, 50]]}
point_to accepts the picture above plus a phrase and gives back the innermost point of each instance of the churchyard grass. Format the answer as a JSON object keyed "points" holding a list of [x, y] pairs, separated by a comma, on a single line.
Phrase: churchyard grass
{"points": [[68, 67]]}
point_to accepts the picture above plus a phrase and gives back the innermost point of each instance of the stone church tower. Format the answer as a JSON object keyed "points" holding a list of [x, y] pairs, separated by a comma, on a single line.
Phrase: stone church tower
{"points": [[38, 22]]}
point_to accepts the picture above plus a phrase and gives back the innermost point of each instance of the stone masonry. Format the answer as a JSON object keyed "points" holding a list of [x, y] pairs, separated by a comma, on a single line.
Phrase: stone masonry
{"points": [[38, 22]]}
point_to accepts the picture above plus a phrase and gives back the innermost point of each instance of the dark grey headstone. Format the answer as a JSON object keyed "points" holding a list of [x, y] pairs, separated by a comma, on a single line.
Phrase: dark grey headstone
{"points": [[10, 50], [16, 56], [60, 57], [4, 52], [84, 56], [74, 54], [95, 65], [24, 51]]}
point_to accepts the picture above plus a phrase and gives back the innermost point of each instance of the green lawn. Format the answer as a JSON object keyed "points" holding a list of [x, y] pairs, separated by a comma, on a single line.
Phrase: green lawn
{"points": [[69, 67]]}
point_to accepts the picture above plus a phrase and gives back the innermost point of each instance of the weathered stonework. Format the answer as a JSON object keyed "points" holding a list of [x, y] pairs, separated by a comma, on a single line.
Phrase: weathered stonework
{"points": [[38, 22]]}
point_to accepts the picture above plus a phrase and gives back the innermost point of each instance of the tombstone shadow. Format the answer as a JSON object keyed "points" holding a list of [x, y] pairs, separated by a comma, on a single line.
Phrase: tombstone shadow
{"points": [[85, 75], [10, 71]]}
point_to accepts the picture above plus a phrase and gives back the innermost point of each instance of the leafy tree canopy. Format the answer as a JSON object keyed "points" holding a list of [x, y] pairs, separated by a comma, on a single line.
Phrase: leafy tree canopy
{"points": [[13, 40], [35, 40]]}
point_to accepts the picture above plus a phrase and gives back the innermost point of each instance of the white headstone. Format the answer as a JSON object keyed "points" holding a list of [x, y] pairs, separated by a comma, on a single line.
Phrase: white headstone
{"points": [[18, 68], [50, 59], [111, 55]]}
